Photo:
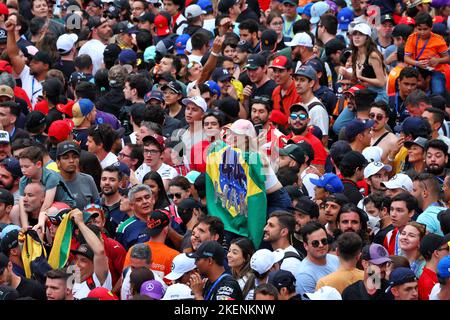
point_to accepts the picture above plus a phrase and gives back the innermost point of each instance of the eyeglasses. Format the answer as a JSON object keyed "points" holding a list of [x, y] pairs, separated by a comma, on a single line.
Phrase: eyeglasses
{"points": [[276, 23], [379, 117], [176, 195], [151, 152], [316, 243], [301, 116], [123, 155], [227, 25]]}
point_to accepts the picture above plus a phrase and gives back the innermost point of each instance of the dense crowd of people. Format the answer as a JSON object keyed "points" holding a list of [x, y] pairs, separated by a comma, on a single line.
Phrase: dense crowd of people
{"points": [[224, 150]]}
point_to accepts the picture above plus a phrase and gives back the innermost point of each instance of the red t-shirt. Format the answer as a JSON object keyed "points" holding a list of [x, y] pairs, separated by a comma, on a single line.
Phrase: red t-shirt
{"points": [[426, 283], [284, 102], [320, 153], [116, 254]]}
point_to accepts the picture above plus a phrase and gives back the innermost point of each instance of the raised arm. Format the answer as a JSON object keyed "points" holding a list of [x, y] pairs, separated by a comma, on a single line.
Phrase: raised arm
{"points": [[101, 267], [212, 60], [12, 49]]}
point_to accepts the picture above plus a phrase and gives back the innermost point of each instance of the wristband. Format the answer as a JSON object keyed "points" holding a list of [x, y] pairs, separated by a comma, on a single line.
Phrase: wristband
{"points": [[215, 54]]}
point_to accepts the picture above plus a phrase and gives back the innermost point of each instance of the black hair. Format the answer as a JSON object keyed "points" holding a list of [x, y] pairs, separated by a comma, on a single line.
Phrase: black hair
{"points": [[302, 25], [416, 97], [288, 175], [266, 289], [143, 39], [381, 105], [285, 219], [83, 61], [154, 114], [378, 199], [349, 245], [140, 83], [163, 200], [137, 152], [351, 207], [437, 144], [90, 165], [36, 24], [438, 114], [330, 23], [219, 115], [86, 90], [114, 168], [13, 107], [103, 133], [250, 25], [199, 40], [432, 184], [138, 277], [215, 226], [309, 228], [424, 18], [176, 62], [408, 72], [181, 182], [411, 202]]}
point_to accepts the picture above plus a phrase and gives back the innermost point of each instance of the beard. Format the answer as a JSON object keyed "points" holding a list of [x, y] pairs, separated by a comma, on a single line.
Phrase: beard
{"points": [[435, 169], [297, 131]]}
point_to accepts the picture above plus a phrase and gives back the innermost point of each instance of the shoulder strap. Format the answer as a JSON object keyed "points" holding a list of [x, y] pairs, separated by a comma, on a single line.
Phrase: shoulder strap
{"points": [[125, 272], [291, 254], [90, 283], [315, 103], [380, 138]]}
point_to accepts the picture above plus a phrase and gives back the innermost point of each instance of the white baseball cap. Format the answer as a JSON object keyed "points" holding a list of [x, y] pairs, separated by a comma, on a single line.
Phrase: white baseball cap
{"points": [[263, 259], [400, 180], [373, 154], [375, 167], [180, 265], [4, 137], [178, 291], [301, 39], [324, 293], [243, 127], [193, 11], [198, 101], [364, 28], [66, 42]]}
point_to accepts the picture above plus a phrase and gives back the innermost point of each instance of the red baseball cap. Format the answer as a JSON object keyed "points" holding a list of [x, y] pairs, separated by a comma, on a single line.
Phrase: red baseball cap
{"points": [[4, 9], [279, 117], [101, 293], [66, 108], [5, 66], [281, 62], [42, 106], [407, 20], [438, 19], [60, 129], [355, 88], [162, 25]]}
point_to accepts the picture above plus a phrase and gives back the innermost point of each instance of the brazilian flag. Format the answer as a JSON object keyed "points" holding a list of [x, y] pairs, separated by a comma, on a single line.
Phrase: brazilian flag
{"points": [[61, 244], [235, 190]]}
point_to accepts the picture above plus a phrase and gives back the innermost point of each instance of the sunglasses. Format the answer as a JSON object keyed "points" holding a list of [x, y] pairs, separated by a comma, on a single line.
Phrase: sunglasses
{"points": [[301, 116], [316, 243], [176, 195], [379, 117]]}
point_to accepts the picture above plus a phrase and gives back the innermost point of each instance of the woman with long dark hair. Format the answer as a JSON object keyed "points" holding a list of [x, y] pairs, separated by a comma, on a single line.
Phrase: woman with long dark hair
{"points": [[154, 181], [90, 165], [239, 254], [367, 61]]}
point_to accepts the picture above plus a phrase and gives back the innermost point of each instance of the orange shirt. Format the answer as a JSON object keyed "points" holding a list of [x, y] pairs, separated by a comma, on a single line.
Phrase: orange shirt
{"points": [[287, 100], [162, 257], [392, 79], [434, 48]]}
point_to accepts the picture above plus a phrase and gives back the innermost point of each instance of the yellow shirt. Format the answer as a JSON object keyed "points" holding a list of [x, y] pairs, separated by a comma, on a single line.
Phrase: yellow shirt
{"points": [[52, 166], [340, 279]]}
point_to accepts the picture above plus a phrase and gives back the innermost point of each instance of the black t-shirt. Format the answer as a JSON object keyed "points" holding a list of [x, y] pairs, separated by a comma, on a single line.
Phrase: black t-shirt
{"points": [[67, 67], [265, 90], [351, 191], [31, 288], [247, 14], [357, 291], [379, 237], [226, 289]]}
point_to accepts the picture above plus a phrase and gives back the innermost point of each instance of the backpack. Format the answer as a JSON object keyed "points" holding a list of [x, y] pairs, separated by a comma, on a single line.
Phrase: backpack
{"points": [[291, 254]]}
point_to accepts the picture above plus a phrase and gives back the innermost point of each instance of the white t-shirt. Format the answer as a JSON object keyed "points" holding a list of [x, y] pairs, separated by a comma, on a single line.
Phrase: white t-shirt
{"points": [[94, 48], [181, 27], [110, 159], [165, 171], [435, 291], [132, 137], [292, 264], [307, 183], [31, 85], [195, 58], [209, 24], [125, 293], [318, 115], [81, 290]]}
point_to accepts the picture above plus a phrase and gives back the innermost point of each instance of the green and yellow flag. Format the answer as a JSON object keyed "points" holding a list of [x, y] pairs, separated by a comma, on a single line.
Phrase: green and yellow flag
{"points": [[235, 190], [61, 244]]}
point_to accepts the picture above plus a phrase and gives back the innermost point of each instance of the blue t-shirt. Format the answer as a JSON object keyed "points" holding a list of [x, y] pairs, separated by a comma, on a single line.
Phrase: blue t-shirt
{"points": [[129, 232], [429, 218], [310, 273]]}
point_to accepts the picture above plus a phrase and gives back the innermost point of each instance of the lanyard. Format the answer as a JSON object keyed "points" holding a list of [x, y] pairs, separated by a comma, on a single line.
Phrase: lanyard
{"points": [[423, 48], [397, 250], [290, 28], [214, 285], [32, 89], [396, 104]]}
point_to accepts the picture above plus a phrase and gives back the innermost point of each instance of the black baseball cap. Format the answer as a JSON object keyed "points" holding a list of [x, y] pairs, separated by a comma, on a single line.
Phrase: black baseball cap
{"points": [[431, 242], [281, 279], [174, 86], [402, 30], [268, 39], [353, 160], [244, 46], [294, 152], [146, 17], [157, 220], [306, 206], [95, 22], [6, 197], [225, 5], [13, 166], [43, 57], [209, 249], [10, 241], [187, 205], [338, 198], [255, 61], [34, 120], [85, 251], [387, 17], [111, 52], [66, 146], [8, 293]]}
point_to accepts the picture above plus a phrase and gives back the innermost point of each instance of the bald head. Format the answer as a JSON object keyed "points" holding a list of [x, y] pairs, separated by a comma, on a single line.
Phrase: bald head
{"points": [[33, 198]]}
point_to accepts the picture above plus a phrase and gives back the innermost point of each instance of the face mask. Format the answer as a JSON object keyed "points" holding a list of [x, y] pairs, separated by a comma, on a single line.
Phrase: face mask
{"points": [[373, 223]]}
